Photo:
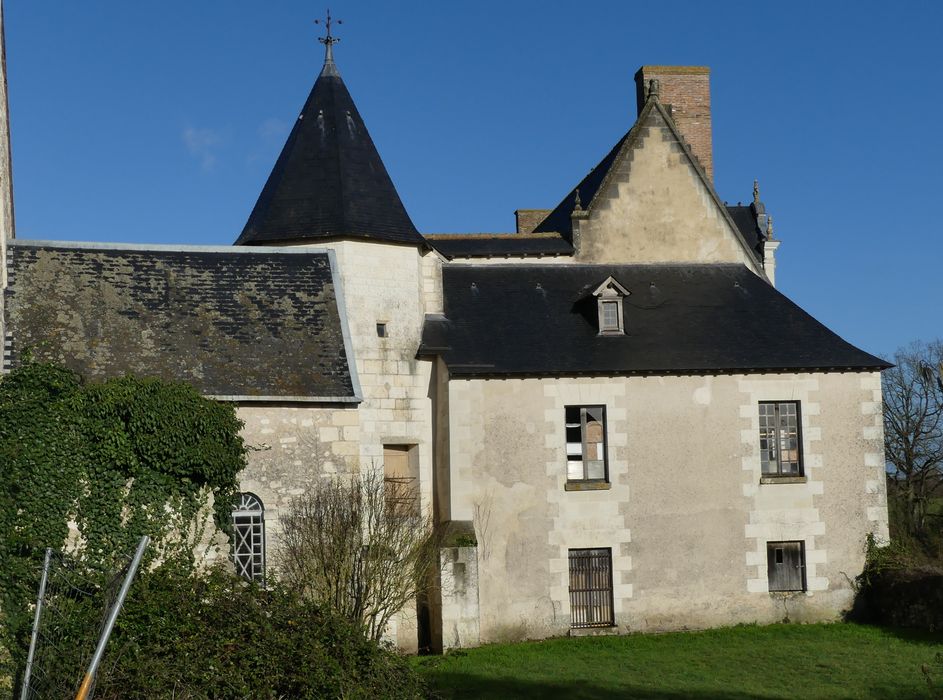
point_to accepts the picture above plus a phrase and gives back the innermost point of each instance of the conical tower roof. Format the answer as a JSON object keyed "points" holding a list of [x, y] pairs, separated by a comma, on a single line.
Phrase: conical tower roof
{"points": [[329, 181]]}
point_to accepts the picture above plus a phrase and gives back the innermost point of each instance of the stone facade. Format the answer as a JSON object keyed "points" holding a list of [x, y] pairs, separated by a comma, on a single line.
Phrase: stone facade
{"points": [[655, 208], [684, 510]]}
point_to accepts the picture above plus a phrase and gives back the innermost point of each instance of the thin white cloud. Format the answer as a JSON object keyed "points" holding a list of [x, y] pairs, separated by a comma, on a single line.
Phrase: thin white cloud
{"points": [[273, 129], [202, 144], [271, 133]]}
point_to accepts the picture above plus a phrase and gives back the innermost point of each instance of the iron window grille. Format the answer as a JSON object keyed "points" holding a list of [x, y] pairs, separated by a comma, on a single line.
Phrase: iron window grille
{"points": [[785, 566], [248, 551], [780, 438], [586, 453], [591, 588]]}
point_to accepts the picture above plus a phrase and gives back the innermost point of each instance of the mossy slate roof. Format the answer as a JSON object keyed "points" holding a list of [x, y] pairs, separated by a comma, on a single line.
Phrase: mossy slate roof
{"points": [[250, 324]]}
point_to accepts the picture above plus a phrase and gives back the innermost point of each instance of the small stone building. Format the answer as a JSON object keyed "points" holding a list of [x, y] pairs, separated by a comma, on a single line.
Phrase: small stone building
{"points": [[625, 422]]}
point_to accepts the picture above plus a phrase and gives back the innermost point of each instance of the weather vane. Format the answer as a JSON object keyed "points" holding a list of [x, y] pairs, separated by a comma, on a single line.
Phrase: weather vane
{"points": [[327, 40]]}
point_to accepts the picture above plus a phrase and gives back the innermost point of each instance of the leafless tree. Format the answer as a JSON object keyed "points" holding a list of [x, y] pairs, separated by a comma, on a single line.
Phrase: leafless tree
{"points": [[361, 546], [913, 431]]}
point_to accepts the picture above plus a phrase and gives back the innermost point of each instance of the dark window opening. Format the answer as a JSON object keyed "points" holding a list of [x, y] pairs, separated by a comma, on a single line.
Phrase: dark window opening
{"points": [[591, 588], [401, 477], [381, 330]]}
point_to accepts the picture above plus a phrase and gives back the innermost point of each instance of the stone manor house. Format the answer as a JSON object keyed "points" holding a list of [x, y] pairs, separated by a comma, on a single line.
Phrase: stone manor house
{"points": [[630, 427]]}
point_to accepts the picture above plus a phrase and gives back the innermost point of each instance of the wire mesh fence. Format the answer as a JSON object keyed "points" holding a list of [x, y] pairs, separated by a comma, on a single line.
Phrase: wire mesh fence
{"points": [[76, 606]]}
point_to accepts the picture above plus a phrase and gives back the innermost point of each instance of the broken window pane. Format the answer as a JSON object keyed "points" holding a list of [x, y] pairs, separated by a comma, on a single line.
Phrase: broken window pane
{"points": [[585, 443]]}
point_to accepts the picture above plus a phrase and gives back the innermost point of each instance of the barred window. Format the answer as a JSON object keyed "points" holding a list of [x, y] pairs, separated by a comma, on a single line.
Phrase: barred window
{"points": [[586, 443], [248, 550], [780, 438], [591, 588]]}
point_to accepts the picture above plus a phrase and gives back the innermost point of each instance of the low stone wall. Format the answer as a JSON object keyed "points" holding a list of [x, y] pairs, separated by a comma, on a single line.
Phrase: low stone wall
{"points": [[459, 581]]}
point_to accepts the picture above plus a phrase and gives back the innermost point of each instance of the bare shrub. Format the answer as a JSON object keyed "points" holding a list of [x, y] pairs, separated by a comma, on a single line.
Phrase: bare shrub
{"points": [[361, 546]]}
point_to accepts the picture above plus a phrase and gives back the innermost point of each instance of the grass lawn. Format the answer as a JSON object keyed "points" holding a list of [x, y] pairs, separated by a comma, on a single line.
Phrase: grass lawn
{"points": [[778, 661]]}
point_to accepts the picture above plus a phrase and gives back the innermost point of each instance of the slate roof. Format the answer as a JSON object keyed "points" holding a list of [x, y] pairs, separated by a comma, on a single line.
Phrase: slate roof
{"points": [[541, 320], [495, 245], [240, 324], [748, 227], [329, 180], [559, 219]]}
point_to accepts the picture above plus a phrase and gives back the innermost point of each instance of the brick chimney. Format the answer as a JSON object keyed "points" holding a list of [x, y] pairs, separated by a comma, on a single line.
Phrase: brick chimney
{"points": [[687, 90]]}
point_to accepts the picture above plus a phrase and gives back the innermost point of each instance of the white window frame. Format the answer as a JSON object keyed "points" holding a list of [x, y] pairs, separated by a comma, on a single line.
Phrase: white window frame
{"points": [[248, 546], [610, 292]]}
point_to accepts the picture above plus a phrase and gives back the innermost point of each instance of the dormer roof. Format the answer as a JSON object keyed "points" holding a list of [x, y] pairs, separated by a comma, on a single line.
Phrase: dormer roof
{"points": [[611, 284]]}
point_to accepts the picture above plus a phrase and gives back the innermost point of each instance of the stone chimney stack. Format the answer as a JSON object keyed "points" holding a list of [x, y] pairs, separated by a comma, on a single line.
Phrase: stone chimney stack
{"points": [[686, 91]]}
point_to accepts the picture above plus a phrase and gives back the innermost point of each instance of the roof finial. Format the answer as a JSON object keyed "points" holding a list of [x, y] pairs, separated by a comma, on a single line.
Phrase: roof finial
{"points": [[577, 205], [769, 228], [328, 40], [653, 87], [756, 191]]}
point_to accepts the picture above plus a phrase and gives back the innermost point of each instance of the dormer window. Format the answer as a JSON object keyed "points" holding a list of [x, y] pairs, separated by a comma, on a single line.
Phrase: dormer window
{"points": [[609, 296]]}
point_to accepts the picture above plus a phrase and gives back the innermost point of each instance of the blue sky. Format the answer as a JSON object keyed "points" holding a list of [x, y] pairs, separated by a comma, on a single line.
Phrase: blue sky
{"points": [[159, 121]]}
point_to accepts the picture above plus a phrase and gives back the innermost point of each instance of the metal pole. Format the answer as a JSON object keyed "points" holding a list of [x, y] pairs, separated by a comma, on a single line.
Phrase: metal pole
{"points": [[24, 690], [112, 616]]}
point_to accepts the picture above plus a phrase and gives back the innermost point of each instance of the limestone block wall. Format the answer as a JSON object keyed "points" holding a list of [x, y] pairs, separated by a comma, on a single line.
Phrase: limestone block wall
{"points": [[294, 446], [458, 567], [384, 283], [656, 208], [291, 448], [685, 515], [432, 296]]}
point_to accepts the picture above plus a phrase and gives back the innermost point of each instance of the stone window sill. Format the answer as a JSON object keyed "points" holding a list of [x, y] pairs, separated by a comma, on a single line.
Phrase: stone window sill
{"points": [[587, 486], [783, 479]]}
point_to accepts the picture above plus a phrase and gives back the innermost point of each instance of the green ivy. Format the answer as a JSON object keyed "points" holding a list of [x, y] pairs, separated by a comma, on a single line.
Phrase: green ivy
{"points": [[120, 459]]}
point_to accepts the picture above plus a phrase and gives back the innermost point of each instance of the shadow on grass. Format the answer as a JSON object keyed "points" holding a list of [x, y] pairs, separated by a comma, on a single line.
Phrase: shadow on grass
{"points": [[462, 686]]}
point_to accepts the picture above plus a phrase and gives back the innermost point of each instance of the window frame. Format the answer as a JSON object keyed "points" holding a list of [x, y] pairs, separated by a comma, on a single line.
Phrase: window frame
{"points": [[597, 610], [779, 474], [583, 408], [249, 565], [606, 328], [772, 549]]}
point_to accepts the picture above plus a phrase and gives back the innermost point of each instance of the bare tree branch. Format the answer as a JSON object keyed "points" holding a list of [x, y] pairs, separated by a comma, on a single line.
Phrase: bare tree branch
{"points": [[913, 430], [361, 546]]}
